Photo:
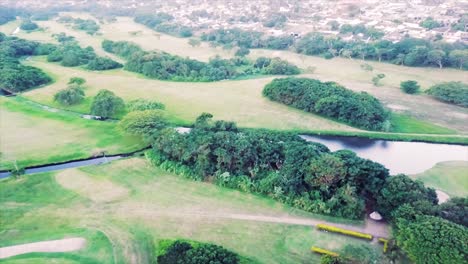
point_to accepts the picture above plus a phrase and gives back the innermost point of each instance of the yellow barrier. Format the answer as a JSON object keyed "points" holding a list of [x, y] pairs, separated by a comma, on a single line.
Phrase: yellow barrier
{"points": [[344, 231], [324, 251], [385, 243]]}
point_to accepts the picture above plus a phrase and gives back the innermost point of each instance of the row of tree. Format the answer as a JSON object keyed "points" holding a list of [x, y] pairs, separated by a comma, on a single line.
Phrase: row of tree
{"points": [[14, 76], [88, 25], [329, 99], [164, 66], [192, 252], [161, 22], [409, 51]]}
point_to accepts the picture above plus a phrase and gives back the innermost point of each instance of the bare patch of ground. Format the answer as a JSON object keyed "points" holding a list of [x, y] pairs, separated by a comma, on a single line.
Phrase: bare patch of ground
{"points": [[98, 190], [441, 196], [61, 245]]}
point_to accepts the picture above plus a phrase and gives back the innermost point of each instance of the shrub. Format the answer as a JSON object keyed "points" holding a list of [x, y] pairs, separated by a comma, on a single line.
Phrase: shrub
{"points": [[450, 92], [409, 87], [144, 122], [143, 104], [324, 251], [376, 79], [241, 52], [74, 94], [101, 64], [106, 104], [28, 25], [76, 80], [335, 229]]}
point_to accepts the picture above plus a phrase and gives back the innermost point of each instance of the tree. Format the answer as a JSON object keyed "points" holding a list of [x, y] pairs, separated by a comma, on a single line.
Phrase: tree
{"points": [[106, 104], [76, 80], [74, 94], [174, 253], [208, 253], [143, 104], [194, 42], [459, 57], [242, 52], [409, 87], [455, 210], [430, 23], [361, 254], [101, 64], [401, 189], [433, 240], [325, 172], [144, 122], [436, 57]]}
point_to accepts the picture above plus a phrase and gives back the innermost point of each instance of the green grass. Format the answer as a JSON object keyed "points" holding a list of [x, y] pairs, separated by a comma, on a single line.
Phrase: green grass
{"points": [[159, 205], [450, 177], [407, 124], [32, 136]]}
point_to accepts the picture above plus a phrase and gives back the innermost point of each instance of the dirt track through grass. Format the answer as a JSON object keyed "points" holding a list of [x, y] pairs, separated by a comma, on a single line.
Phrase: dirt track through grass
{"points": [[62, 245]]}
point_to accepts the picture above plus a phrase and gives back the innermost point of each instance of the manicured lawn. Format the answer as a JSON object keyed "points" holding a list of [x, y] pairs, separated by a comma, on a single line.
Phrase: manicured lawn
{"points": [[406, 124], [31, 135], [157, 205], [450, 177]]}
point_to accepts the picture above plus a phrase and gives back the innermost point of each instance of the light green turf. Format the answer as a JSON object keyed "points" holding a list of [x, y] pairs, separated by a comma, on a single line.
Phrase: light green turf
{"points": [[158, 205], [450, 177], [407, 124], [32, 135]]}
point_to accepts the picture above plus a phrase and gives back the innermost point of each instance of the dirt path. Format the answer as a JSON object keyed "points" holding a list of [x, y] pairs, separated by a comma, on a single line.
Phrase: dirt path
{"points": [[61, 245]]}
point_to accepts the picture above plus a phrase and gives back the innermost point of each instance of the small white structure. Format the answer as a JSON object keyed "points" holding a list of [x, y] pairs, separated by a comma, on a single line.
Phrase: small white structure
{"points": [[375, 216], [441, 196], [183, 130]]}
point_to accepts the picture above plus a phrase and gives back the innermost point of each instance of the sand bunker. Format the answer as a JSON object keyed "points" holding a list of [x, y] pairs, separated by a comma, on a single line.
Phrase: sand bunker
{"points": [[61, 245], [443, 197], [98, 190]]}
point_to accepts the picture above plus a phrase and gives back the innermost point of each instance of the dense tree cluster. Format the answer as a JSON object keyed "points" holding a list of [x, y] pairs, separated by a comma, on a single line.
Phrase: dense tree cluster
{"points": [[275, 21], [161, 22], [28, 25], [164, 66], [182, 252], [409, 51], [70, 54], [430, 23], [7, 15], [281, 165], [329, 99], [88, 25], [276, 66], [14, 76], [450, 92], [143, 104]]}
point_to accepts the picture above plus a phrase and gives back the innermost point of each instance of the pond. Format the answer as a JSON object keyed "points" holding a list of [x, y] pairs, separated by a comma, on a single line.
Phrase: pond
{"points": [[397, 156]]}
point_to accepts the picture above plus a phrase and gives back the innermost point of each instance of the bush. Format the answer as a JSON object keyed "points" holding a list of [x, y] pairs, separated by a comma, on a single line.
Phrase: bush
{"points": [[74, 94], [329, 99], [241, 52], [144, 122], [101, 64], [76, 80], [344, 231], [28, 25], [409, 87], [106, 104], [450, 92], [143, 104]]}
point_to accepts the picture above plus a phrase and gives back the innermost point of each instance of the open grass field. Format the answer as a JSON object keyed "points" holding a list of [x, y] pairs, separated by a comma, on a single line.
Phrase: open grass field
{"points": [[31, 135], [450, 177], [345, 71], [148, 205]]}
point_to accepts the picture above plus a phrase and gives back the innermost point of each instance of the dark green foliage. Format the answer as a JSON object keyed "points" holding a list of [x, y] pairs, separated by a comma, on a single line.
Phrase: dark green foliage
{"points": [[450, 92], [7, 15], [28, 25], [100, 64], [461, 24], [88, 25], [276, 66], [14, 76], [328, 99], [430, 23], [399, 190], [164, 66], [455, 210], [241, 52], [431, 239], [151, 20], [43, 15], [63, 38], [106, 104], [181, 252], [77, 80], [281, 165], [276, 21], [161, 22], [361, 254], [144, 123], [71, 54], [410, 87], [368, 32], [73, 94], [235, 37], [143, 104]]}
